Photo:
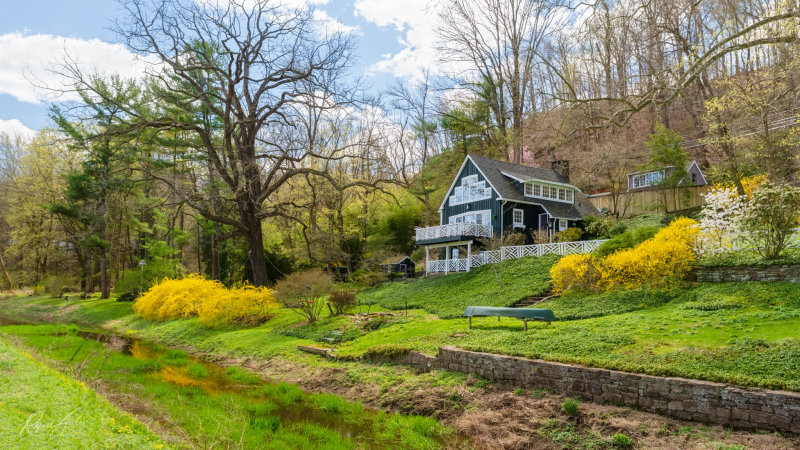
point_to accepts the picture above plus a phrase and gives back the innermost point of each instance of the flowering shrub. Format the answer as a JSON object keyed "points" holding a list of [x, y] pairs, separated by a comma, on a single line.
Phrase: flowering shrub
{"points": [[722, 220], [771, 218], [752, 183], [666, 256], [209, 300], [574, 272]]}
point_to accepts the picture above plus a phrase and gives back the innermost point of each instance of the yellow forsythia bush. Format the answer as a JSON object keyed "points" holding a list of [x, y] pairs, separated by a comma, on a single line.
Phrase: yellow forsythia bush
{"points": [[666, 256], [574, 272], [208, 300]]}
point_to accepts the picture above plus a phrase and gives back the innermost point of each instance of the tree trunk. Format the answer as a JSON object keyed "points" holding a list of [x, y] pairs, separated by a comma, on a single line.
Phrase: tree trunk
{"points": [[215, 251], [255, 242], [90, 275], [105, 290], [6, 278]]}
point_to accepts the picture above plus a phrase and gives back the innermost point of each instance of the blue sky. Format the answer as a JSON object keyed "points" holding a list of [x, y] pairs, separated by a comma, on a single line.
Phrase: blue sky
{"points": [[394, 41]]}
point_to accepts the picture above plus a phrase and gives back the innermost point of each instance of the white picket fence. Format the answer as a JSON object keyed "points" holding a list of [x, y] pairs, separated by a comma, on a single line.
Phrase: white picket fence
{"points": [[506, 253]]}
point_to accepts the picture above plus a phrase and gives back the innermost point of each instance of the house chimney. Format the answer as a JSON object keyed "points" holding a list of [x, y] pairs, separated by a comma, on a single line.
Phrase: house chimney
{"points": [[561, 166]]}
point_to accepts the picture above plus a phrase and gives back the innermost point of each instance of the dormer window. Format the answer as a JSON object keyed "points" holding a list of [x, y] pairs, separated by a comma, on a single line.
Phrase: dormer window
{"points": [[557, 193]]}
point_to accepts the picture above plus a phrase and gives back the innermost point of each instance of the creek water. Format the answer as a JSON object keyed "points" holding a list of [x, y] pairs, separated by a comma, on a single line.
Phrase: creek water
{"points": [[216, 380]]}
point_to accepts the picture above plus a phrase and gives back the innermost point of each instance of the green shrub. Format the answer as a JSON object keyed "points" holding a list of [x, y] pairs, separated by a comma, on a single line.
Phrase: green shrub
{"points": [[772, 214], [595, 227], [55, 285], [341, 300], [628, 239], [368, 277], [570, 406], [621, 440], [129, 296], [152, 274], [305, 292], [617, 229], [569, 235]]}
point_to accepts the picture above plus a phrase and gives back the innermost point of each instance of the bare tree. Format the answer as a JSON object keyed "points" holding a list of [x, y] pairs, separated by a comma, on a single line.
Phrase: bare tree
{"points": [[414, 139], [253, 88], [494, 47]]}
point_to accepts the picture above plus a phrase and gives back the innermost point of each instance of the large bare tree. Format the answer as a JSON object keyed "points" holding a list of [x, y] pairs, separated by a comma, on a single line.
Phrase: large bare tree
{"points": [[247, 85]]}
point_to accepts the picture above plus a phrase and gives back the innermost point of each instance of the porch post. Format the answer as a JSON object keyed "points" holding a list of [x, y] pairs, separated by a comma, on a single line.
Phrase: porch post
{"points": [[427, 260], [446, 259], [469, 253]]}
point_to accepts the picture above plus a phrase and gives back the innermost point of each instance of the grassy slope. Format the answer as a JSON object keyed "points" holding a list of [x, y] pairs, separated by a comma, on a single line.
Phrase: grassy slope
{"points": [[41, 408], [448, 296], [742, 333]]}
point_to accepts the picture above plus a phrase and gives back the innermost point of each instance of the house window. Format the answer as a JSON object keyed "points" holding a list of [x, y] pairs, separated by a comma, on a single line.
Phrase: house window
{"points": [[480, 217], [694, 178], [518, 218], [562, 224], [647, 179], [470, 190], [550, 192]]}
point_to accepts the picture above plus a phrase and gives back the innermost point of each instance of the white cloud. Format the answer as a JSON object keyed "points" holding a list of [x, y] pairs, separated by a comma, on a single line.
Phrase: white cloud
{"points": [[27, 63], [416, 19], [330, 24], [14, 127]]}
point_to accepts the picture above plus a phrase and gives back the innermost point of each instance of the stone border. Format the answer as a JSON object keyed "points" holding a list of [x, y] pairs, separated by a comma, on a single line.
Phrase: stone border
{"points": [[729, 274], [681, 398]]}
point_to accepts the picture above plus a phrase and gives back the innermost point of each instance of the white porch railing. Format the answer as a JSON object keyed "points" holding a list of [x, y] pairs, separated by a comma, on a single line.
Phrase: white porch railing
{"points": [[448, 265], [454, 230], [506, 253]]}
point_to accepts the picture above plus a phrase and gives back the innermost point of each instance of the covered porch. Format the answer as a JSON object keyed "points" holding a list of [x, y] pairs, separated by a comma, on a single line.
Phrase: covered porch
{"points": [[453, 261]]}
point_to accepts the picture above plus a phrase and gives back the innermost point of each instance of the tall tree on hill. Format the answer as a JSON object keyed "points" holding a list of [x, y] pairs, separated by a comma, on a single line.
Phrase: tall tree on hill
{"points": [[495, 45], [666, 152]]}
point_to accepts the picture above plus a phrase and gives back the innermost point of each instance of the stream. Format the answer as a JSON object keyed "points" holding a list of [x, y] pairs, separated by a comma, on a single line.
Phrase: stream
{"points": [[225, 394]]}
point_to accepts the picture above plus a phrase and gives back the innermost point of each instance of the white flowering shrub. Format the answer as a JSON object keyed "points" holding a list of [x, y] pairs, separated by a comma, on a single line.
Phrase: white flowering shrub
{"points": [[722, 220]]}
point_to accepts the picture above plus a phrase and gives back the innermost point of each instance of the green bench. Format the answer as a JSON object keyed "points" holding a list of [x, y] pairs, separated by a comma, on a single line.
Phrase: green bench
{"points": [[525, 314]]}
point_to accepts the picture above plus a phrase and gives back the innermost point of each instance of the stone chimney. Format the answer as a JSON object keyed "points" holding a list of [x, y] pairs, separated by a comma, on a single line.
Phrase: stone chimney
{"points": [[561, 166]]}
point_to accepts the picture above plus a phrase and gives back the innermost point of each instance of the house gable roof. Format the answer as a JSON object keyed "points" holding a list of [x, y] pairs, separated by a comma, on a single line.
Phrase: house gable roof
{"points": [[502, 175], [458, 175]]}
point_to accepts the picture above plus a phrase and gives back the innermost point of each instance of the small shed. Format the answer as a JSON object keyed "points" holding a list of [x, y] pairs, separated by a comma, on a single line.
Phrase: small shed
{"points": [[404, 265]]}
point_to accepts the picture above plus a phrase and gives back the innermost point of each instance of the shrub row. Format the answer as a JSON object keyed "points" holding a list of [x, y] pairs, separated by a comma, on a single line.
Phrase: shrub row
{"points": [[208, 300], [666, 256]]}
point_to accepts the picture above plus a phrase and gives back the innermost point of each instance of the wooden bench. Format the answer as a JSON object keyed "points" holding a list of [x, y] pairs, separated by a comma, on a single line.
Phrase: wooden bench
{"points": [[525, 314], [334, 338]]}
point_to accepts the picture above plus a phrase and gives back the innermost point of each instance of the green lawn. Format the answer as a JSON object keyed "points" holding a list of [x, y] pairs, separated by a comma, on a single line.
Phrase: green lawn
{"points": [[42, 408], [742, 333], [449, 295]]}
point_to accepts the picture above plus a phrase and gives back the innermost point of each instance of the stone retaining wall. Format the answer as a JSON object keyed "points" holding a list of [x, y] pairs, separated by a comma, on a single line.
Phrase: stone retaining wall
{"points": [[748, 273], [680, 398]]}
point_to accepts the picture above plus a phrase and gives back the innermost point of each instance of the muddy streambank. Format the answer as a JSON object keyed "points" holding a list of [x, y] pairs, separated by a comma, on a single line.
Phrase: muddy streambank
{"points": [[490, 415]]}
